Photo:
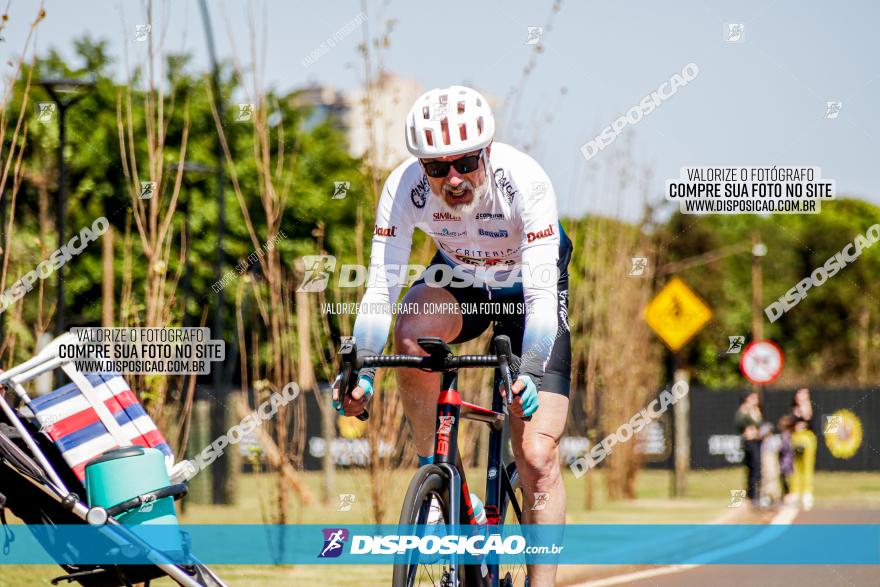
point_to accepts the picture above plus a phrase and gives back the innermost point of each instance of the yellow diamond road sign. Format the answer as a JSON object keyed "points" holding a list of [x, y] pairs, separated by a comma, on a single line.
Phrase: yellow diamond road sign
{"points": [[676, 314]]}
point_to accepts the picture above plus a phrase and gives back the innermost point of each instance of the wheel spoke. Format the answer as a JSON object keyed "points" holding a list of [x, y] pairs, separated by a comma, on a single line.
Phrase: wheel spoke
{"points": [[420, 571]]}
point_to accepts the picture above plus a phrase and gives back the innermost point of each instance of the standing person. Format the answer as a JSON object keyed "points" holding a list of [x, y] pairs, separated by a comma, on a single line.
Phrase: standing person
{"points": [[748, 421], [786, 455], [771, 470], [804, 442], [491, 211]]}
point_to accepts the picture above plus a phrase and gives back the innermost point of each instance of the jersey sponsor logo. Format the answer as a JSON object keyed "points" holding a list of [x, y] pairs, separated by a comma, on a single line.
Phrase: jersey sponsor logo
{"points": [[501, 233], [446, 233], [380, 231], [483, 262], [504, 184], [533, 236], [485, 253], [419, 193], [448, 216], [490, 216], [562, 304]]}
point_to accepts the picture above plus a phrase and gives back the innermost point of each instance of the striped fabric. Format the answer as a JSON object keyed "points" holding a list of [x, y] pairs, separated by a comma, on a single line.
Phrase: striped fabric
{"points": [[74, 426]]}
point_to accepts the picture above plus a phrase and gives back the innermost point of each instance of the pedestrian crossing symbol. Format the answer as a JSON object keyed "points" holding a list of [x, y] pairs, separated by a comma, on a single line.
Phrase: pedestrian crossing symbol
{"points": [[677, 314]]}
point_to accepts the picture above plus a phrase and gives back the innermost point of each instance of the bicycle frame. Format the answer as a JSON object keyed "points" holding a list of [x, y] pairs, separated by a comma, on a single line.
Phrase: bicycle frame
{"points": [[450, 410]]}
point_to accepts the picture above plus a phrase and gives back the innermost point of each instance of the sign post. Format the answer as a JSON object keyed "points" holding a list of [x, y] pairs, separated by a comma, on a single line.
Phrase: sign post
{"points": [[676, 315]]}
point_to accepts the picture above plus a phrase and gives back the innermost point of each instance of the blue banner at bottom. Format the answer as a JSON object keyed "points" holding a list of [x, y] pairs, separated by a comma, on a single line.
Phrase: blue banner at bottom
{"points": [[391, 544]]}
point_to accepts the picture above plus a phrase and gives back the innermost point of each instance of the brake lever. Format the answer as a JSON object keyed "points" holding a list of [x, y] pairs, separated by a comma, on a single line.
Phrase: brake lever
{"points": [[348, 350], [505, 357], [506, 378]]}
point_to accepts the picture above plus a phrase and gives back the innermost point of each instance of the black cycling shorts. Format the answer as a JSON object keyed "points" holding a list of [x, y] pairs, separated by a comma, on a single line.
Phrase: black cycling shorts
{"points": [[557, 374]]}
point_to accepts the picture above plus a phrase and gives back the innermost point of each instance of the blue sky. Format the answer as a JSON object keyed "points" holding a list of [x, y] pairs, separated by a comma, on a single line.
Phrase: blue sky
{"points": [[759, 102]]}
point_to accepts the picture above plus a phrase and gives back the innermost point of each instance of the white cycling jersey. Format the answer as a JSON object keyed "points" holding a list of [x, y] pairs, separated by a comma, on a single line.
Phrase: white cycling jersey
{"points": [[515, 227]]}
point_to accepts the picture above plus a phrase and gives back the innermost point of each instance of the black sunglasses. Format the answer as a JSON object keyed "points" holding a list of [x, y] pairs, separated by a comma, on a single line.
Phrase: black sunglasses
{"points": [[437, 169]]}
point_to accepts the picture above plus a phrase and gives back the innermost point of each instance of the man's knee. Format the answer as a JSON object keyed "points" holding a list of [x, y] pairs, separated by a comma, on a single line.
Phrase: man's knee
{"points": [[410, 327], [539, 458], [406, 334]]}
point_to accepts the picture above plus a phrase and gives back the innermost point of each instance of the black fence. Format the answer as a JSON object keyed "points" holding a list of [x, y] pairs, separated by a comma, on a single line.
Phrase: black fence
{"points": [[715, 442], [836, 415]]}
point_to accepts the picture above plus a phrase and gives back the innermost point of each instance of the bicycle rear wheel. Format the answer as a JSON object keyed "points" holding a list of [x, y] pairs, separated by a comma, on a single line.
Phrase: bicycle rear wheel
{"points": [[429, 489]]}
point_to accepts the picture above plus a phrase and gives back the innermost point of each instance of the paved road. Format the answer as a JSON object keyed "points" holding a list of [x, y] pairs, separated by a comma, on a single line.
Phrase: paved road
{"points": [[764, 575]]}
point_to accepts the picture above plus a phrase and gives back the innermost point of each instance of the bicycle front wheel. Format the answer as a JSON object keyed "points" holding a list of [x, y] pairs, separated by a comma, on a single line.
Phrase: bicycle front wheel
{"points": [[426, 503]]}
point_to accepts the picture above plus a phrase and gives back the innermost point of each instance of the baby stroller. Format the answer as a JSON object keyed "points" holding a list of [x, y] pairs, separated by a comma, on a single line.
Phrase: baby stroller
{"points": [[45, 444]]}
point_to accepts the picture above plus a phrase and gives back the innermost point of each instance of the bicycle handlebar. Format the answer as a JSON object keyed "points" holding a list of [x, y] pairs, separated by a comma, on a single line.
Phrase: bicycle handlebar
{"points": [[439, 359], [429, 363]]}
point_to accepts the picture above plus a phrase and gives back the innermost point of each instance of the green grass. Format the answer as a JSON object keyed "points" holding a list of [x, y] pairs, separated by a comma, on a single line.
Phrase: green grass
{"points": [[707, 500]]}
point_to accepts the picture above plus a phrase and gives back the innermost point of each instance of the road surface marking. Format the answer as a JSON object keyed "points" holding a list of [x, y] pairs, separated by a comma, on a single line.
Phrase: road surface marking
{"points": [[637, 576], [785, 517]]}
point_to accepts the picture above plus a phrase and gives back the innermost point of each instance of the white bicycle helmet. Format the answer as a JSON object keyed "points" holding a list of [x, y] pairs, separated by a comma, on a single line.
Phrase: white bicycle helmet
{"points": [[449, 121]]}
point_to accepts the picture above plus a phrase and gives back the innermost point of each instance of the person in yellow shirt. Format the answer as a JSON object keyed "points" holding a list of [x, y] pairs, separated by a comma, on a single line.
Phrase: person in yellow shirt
{"points": [[804, 443]]}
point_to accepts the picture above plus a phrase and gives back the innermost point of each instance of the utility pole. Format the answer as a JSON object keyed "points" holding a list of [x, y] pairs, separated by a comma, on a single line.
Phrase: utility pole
{"points": [[681, 409], [759, 250], [681, 424], [65, 93], [221, 487]]}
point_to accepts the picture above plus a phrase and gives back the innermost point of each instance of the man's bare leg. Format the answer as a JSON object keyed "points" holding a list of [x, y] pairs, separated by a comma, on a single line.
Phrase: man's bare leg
{"points": [[536, 449], [418, 389]]}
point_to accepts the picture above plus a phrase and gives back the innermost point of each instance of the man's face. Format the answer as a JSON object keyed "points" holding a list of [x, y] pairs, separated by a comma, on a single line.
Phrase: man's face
{"points": [[460, 190]]}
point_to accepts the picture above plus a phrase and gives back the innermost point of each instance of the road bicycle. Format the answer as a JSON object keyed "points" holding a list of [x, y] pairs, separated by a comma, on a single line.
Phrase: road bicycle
{"points": [[439, 492]]}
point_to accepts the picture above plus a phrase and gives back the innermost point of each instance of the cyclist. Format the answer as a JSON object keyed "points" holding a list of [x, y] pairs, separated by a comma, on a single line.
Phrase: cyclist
{"points": [[491, 211]]}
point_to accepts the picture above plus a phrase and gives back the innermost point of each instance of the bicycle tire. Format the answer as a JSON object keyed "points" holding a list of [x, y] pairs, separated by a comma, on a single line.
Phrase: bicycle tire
{"points": [[429, 481]]}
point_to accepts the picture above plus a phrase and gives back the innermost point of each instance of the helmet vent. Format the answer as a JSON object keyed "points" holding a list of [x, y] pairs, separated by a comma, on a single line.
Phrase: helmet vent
{"points": [[429, 136], [462, 132], [479, 125], [425, 112], [444, 130], [461, 107]]}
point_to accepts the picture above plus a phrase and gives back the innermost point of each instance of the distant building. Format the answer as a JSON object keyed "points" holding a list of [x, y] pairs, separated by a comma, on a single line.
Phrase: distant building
{"points": [[325, 102], [391, 99], [382, 144]]}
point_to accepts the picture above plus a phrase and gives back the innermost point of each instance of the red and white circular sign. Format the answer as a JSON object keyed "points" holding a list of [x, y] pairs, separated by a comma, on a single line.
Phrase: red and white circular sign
{"points": [[761, 362]]}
